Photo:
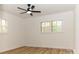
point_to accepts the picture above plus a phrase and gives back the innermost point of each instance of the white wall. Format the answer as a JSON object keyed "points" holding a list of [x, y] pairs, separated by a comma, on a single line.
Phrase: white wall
{"points": [[14, 37], [77, 29], [65, 39]]}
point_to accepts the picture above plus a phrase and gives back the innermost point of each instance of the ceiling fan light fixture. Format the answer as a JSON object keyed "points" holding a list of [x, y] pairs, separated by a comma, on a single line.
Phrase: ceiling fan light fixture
{"points": [[29, 12]]}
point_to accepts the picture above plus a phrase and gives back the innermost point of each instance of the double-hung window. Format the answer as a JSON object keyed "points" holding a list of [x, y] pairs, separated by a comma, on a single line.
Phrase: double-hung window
{"points": [[51, 26], [3, 26]]}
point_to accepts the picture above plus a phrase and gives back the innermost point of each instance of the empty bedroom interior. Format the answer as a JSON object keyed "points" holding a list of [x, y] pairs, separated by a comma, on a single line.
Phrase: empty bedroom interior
{"points": [[36, 33]]}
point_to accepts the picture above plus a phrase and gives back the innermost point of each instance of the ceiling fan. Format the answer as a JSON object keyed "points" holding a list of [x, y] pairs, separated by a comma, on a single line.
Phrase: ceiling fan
{"points": [[29, 10]]}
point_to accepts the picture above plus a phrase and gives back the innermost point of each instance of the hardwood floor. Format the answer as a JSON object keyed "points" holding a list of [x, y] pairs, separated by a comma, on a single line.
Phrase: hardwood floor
{"points": [[38, 50]]}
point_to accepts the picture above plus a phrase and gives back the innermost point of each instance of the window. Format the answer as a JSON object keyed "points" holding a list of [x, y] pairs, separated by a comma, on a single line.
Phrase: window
{"points": [[56, 26], [46, 26], [51, 26], [3, 26]]}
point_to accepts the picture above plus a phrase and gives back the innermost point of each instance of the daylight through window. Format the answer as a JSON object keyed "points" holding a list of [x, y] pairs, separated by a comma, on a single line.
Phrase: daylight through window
{"points": [[3, 25], [51, 26]]}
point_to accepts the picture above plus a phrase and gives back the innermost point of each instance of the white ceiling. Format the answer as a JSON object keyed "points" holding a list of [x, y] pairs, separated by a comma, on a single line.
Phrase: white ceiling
{"points": [[44, 8]]}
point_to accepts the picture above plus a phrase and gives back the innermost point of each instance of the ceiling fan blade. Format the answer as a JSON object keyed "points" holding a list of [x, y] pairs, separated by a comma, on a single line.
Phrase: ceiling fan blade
{"points": [[21, 8], [31, 14], [36, 11], [23, 12], [32, 7], [29, 5]]}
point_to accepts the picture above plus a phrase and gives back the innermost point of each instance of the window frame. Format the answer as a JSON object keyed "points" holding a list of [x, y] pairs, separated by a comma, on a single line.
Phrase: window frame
{"points": [[52, 26], [56, 25], [6, 26], [43, 22]]}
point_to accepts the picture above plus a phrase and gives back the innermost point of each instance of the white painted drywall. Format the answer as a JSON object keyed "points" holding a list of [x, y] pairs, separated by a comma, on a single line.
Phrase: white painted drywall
{"points": [[65, 39], [77, 29], [14, 37]]}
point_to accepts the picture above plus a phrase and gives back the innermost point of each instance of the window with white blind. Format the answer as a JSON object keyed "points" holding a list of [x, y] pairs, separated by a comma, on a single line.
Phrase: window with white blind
{"points": [[3, 26], [51, 26]]}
